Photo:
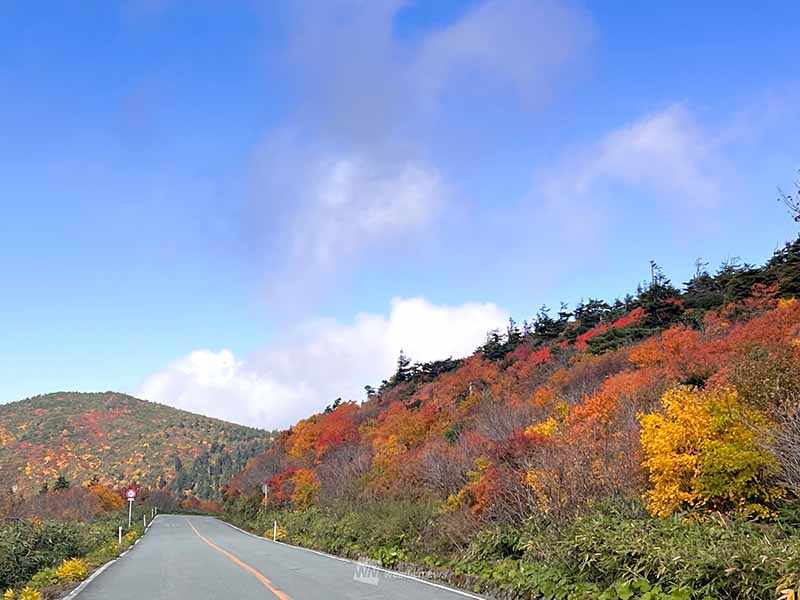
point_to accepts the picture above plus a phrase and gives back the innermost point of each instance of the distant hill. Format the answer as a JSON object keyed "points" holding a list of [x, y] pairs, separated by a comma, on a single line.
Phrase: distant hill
{"points": [[118, 439]]}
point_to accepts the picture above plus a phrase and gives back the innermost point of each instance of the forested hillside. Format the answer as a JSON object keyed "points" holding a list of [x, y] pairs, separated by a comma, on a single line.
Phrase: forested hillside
{"points": [[642, 447], [118, 440]]}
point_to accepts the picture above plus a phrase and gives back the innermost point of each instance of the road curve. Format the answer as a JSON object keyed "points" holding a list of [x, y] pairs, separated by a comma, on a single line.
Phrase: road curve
{"points": [[202, 558]]}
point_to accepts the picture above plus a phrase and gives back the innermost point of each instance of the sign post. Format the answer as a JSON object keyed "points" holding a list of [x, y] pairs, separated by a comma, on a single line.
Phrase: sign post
{"points": [[131, 495]]}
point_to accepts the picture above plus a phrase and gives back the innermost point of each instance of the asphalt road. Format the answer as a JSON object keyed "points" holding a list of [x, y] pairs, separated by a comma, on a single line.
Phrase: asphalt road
{"points": [[201, 558]]}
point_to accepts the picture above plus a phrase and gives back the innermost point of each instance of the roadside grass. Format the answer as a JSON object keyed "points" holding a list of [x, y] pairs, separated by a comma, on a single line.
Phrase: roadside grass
{"points": [[44, 560], [612, 551]]}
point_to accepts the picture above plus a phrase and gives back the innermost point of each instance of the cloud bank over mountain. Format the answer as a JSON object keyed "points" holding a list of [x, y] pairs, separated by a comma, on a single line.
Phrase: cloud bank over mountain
{"points": [[324, 360]]}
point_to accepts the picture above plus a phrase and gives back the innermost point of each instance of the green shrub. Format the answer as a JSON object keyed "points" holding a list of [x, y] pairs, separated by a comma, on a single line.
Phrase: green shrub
{"points": [[27, 547], [714, 557], [44, 578], [30, 551], [387, 531], [615, 551]]}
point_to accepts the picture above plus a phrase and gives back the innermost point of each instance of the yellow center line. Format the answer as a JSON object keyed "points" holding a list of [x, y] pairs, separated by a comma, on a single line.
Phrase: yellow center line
{"points": [[260, 576]]}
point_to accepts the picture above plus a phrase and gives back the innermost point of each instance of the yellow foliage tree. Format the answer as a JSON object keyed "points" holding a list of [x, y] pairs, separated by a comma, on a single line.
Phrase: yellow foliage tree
{"points": [[545, 428], [306, 487], [701, 453]]}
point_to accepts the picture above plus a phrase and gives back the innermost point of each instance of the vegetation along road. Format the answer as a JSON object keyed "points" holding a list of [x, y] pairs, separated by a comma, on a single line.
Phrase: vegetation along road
{"points": [[203, 558]]}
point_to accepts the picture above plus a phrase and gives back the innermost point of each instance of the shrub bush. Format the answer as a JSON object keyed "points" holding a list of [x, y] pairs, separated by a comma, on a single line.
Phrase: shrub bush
{"points": [[27, 547], [713, 557], [44, 578], [612, 551], [42, 554], [703, 453], [26, 593], [72, 569]]}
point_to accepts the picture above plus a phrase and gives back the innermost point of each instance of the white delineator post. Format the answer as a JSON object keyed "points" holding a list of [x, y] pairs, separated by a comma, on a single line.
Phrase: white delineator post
{"points": [[274, 531], [144, 521], [120, 535]]}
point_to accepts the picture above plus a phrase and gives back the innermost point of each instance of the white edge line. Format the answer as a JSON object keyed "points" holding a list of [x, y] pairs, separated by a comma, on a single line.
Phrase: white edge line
{"points": [[354, 562], [99, 570]]}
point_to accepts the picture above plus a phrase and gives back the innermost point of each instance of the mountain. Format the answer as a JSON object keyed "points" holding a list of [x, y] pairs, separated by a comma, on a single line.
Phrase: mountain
{"points": [[428, 429], [117, 440]]}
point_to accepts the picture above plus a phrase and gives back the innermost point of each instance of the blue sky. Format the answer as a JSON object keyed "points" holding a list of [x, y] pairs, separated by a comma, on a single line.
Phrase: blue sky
{"points": [[246, 209]]}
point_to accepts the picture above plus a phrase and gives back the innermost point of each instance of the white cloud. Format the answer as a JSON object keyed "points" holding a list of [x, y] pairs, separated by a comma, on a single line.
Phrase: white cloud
{"points": [[351, 167], [218, 385], [360, 82], [349, 170], [325, 360], [523, 43], [666, 151], [353, 202], [667, 157]]}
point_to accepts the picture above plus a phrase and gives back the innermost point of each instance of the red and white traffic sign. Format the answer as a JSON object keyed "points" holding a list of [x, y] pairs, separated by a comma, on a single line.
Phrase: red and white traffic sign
{"points": [[130, 494]]}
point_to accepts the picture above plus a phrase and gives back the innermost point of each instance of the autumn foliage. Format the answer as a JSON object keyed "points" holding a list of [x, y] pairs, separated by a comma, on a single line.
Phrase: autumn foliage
{"points": [[109, 500], [701, 452], [115, 440], [636, 399], [202, 506], [296, 485], [311, 438]]}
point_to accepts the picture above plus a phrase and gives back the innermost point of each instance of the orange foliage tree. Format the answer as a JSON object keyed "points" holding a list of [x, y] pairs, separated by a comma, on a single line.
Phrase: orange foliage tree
{"points": [[315, 436], [109, 499]]}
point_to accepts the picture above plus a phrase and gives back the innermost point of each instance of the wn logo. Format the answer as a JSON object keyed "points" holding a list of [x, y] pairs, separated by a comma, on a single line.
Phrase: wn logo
{"points": [[366, 574]]}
